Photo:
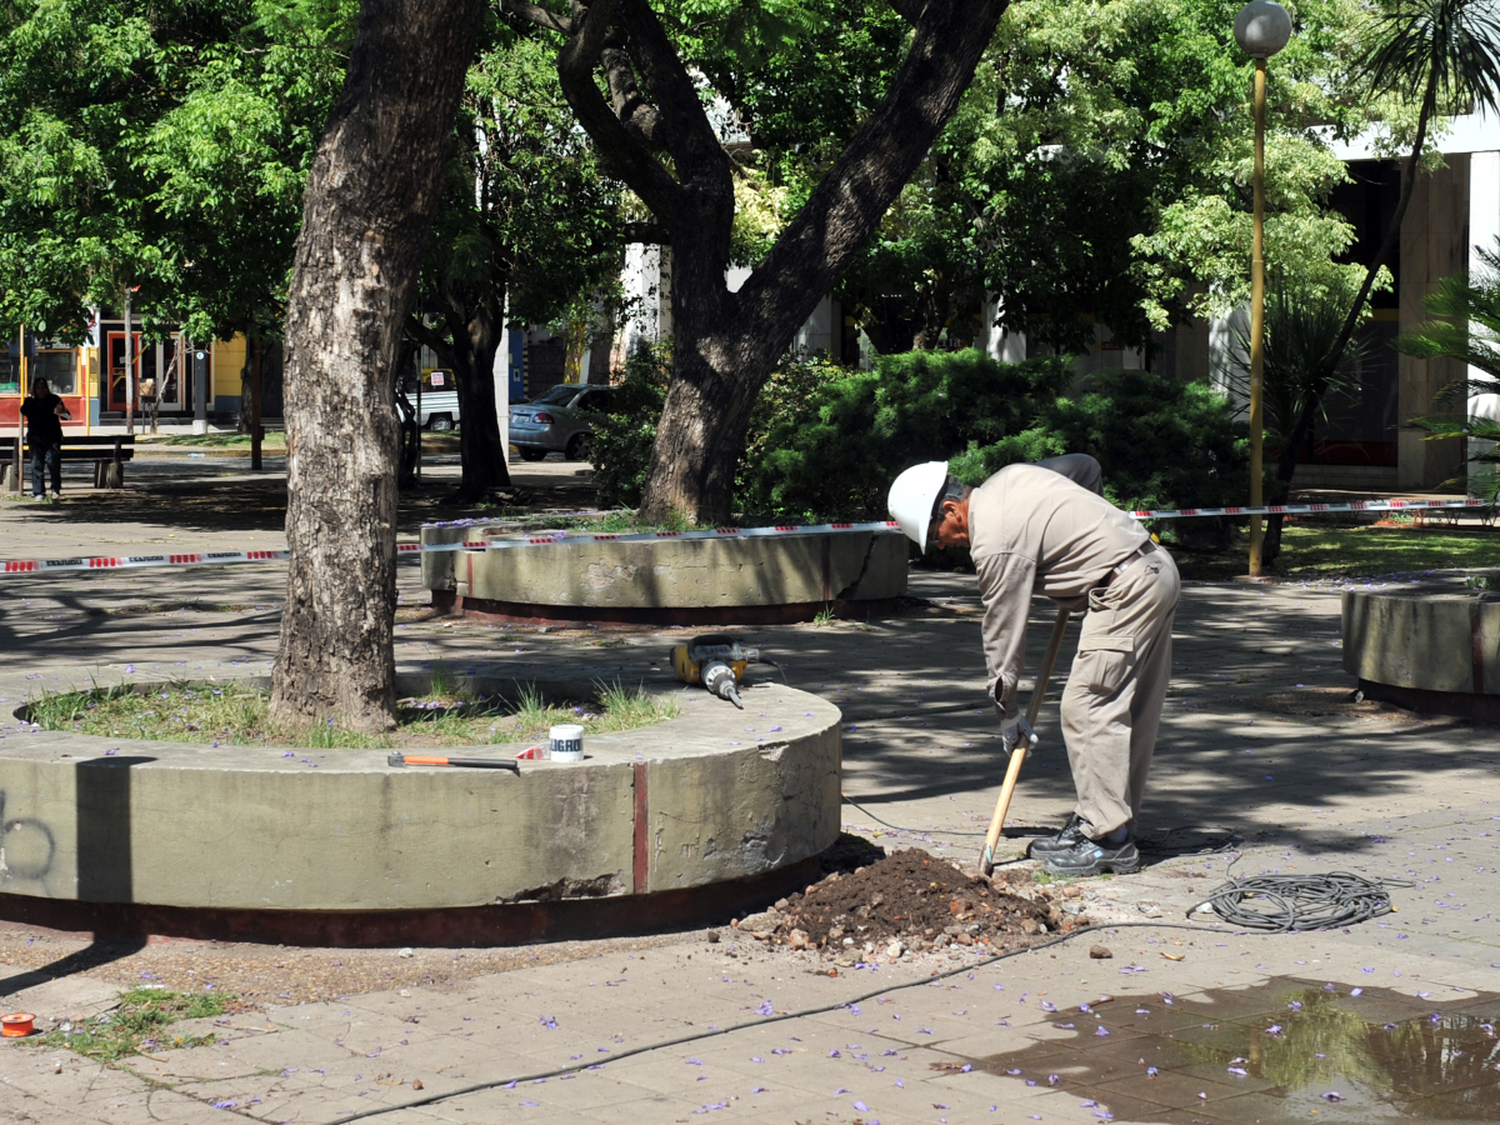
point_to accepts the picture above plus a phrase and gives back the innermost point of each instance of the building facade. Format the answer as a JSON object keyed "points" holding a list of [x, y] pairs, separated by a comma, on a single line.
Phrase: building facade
{"points": [[91, 378]]}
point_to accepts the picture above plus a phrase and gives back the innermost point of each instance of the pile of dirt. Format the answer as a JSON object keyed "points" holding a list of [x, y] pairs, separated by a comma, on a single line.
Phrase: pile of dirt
{"points": [[910, 900]]}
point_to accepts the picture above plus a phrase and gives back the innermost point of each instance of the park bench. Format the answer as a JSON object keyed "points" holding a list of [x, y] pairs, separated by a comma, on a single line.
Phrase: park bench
{"points": [[108, 452]]}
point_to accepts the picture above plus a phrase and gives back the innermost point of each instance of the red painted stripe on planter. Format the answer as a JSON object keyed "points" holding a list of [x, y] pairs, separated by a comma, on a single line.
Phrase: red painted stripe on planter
{"points": [[1476, 647], [642, 859]]}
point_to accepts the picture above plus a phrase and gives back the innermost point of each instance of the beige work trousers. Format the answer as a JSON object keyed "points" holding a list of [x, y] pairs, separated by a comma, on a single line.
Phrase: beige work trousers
{"points": [[1111, 708]]}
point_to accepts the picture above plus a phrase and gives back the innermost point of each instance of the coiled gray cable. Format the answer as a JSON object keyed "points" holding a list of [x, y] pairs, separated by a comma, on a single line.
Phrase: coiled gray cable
{"points": [[1287, 903]]}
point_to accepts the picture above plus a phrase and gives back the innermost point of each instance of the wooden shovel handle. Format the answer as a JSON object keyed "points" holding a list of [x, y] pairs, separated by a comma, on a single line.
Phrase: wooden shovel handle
{"points": [[1018, 755]]}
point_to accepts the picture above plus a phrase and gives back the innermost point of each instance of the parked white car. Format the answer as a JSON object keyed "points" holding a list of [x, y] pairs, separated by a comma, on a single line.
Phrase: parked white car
{"points": [[439, 410], [439, 406]]}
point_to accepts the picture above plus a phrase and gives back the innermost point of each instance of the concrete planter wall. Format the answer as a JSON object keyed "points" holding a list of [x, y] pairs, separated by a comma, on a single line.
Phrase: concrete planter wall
{"points": [[702, 581], [1427, 649], [680, 806]]}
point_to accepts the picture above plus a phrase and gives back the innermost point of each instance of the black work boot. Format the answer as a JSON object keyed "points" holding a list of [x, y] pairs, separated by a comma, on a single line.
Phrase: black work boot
{"points": [[1093, 857], [1065, 840]]}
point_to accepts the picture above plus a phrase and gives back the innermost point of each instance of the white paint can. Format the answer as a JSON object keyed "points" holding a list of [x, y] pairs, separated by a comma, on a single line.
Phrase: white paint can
{"points": [[565, 743]]}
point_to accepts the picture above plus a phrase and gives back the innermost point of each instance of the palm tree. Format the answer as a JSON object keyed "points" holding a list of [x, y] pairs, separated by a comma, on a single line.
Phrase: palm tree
{"points": [[1471, 333], [1450, 51], [1301, 327]]}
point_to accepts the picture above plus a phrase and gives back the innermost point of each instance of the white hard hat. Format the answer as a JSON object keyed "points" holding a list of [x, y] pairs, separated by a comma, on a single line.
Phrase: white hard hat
{"points": [[912, 497]]}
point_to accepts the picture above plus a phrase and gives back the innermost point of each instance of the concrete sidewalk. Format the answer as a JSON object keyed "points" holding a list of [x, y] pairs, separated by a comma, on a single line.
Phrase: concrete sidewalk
{"points": [[1258, 744]]}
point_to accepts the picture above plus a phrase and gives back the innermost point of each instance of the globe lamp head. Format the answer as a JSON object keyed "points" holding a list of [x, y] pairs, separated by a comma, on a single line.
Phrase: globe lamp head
{"points": [[1262, 28]]}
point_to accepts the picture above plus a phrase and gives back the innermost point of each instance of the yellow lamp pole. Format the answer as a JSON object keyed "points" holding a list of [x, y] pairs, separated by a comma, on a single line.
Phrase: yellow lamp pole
{"points": [[1262, 28], [1258, 320]]}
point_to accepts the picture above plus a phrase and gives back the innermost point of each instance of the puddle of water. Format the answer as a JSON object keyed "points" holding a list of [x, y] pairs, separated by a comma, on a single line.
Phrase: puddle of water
{"points": [[1286, 1052]]}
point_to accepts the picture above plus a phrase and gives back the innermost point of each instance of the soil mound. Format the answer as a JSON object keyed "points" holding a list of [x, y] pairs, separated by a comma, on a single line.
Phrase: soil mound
{"points": [[914, 900]]}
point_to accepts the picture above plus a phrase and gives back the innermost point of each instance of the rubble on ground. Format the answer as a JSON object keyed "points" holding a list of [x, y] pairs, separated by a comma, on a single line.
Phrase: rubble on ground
{"points": [[912, 902]]}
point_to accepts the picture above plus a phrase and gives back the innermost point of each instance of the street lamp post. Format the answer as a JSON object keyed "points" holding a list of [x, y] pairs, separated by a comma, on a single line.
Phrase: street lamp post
{"points": [[1261, 29]]}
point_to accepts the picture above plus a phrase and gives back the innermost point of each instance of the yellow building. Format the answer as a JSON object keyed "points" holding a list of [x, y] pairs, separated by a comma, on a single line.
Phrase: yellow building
{"points": [[91, 379]]}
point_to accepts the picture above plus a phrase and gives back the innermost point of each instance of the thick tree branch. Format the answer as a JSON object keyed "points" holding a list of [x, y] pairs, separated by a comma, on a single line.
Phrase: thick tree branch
{"points": [[539, 15], [622, 149], [423, 334], [688, 135], [630, 105], [847, 204], [909, 10]]}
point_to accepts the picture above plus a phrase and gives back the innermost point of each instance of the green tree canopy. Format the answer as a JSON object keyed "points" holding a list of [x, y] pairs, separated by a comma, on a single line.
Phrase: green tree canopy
{"points": [[157, 145], [1097, 168]]}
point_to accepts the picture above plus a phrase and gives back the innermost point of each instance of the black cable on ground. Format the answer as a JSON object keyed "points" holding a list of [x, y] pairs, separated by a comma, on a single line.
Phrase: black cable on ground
{"points": [[1177, 841], [780, 1017], [910, 831], [1283, 904]]}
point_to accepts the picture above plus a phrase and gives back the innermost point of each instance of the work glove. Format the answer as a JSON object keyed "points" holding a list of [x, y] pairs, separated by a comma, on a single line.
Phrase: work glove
{"points": [[1015, 730]]}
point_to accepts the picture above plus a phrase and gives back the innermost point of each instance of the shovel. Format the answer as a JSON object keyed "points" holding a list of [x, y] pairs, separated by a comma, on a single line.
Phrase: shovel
{"points": [[1018, 755]]}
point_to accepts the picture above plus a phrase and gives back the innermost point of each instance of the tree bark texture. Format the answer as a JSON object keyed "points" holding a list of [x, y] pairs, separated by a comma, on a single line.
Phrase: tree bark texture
{"points": [[374, 185], [477, 336], [726, 344]]}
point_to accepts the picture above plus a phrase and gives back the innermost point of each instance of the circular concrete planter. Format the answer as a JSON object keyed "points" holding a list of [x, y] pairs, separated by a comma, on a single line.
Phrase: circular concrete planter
{"points": [[667, 581], [656, 827], [1435, 650]]}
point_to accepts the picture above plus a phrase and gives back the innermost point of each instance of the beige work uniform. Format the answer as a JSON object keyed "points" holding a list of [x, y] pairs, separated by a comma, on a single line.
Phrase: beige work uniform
{"points": [[1031, 529]]}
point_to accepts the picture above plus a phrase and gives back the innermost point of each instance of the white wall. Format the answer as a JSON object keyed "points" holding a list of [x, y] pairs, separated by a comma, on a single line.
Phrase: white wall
{"points": [[1224, 371], [998, 344], [648, 300], [1474, 132], [650, 315]]}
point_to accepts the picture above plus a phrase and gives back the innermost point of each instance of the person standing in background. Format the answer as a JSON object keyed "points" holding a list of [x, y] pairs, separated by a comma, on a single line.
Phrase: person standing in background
{"points": [[44, 413]]}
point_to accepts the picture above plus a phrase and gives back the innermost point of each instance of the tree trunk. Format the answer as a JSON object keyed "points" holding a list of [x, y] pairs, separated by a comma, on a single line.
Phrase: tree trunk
{"points": [[724, 345], [257, 396], [702, 432], [406, 419], [469, 347], [374, 185], [477, 336]]}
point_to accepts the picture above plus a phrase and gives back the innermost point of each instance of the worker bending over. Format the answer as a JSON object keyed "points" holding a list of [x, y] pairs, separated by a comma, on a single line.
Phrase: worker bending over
{"points": [[1034, 528]]}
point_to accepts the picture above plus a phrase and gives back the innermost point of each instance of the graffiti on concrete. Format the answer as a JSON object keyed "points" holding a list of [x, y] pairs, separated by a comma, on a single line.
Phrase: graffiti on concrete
{"points": [[26, 847]]}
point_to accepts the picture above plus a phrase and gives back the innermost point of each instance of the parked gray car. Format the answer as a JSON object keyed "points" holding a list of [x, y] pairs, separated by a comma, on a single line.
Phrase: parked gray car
{"points": [[559, 420]]}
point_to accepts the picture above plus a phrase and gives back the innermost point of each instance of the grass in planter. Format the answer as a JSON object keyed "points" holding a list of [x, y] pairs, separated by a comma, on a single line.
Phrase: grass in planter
{"points": [[446, 716], [140, 1023], [178, 712], [459, 719]]}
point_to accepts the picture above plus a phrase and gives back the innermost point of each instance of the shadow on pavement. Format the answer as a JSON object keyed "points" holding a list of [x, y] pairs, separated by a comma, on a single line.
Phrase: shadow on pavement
{"points": [[96, 954]]}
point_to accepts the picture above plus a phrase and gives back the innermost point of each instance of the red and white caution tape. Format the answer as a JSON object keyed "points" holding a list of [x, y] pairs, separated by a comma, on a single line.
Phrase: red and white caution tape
{"points": [[1312, 509], [125, 562], [781, 531], [220, 558]]}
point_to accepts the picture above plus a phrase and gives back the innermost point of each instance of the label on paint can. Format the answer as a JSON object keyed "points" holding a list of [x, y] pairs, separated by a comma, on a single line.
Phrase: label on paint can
{"points": [[565, 743]]}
